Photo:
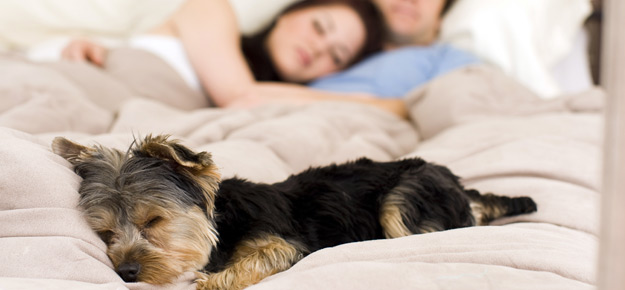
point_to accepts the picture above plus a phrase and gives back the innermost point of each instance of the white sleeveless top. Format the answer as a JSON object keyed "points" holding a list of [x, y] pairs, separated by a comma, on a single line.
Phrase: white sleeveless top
{"points": [[171, 50]]}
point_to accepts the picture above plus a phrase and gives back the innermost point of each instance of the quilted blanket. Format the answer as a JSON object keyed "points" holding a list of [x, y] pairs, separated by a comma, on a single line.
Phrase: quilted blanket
{"points": [[487, 128]]}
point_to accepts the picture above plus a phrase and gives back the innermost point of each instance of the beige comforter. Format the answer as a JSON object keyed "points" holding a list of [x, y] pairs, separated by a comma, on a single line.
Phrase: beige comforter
{"points": [[488, 129]]}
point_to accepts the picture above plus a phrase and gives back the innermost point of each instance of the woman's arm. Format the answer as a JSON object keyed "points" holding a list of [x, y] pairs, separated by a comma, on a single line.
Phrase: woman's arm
{"points": [[210, 34], [268, 92]]}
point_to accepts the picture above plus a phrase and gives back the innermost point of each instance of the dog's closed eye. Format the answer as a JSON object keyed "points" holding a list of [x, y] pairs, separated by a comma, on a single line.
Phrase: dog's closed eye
{"points": [[152, 222], [106, 236]]}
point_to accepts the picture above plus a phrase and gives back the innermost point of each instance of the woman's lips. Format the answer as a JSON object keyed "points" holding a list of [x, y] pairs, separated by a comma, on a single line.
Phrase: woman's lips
{"points": [[406, 12], [304, 57]]}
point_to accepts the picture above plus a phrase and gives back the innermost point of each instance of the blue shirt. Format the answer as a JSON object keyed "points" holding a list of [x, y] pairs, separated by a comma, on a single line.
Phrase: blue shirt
{"points": [[392, 74]]}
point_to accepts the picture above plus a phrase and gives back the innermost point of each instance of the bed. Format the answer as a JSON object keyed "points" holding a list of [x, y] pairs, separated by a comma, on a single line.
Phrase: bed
{"points": [[499, 134]]}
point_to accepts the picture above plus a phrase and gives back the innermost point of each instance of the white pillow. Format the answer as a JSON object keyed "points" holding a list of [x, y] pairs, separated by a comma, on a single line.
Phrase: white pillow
{"points": [[41, 28], [27, 23], [525, 38]]}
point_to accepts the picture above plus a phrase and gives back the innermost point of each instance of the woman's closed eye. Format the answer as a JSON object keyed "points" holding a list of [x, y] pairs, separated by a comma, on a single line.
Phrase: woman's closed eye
{"points": [[318, 27], [336, 58]]}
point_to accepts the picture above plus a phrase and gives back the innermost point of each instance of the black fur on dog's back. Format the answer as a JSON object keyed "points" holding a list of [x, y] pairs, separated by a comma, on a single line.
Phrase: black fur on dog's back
{"points": [[355, 201]]}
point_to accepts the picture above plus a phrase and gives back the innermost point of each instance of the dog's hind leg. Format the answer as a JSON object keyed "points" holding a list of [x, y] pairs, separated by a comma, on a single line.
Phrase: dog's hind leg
{"points": [[400, 218], [252, 261], [488, 207], [391, 216]]}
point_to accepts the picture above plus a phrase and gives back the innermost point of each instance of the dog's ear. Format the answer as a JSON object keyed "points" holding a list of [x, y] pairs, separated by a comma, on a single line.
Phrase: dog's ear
{"points": [[200, 165], [160, 147], [72, 152]]}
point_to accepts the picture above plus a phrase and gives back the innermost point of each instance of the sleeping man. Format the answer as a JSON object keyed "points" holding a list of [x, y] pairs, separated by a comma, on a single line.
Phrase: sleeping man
{"points": [[412, 54]]}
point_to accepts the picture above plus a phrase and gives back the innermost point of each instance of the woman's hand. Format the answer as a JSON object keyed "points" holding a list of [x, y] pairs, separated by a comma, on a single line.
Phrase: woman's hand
{"points": [[84, 50], [395, 106]]}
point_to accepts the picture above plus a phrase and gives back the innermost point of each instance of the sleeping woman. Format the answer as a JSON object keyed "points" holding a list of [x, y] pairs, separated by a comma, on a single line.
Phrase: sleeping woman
{"points": [[308, 40]]}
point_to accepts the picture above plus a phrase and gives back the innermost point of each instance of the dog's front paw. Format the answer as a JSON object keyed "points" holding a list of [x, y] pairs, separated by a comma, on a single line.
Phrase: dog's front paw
{"points": [[218, 281], [205, 282]]}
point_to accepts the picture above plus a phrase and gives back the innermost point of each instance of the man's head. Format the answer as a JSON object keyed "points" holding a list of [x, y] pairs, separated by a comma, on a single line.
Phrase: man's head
{"points": [[413, 22]]}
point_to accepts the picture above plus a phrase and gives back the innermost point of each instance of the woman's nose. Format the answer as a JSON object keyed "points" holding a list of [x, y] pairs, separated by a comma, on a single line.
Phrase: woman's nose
{"points": [[320, 45]]}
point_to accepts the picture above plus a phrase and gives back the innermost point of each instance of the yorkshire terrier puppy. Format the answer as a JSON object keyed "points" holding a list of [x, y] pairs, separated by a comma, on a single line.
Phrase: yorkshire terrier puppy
{"points": [[162, 210]]}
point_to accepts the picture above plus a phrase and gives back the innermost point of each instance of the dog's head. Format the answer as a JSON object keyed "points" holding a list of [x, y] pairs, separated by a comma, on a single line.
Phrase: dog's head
{"points": [[153, 205]]}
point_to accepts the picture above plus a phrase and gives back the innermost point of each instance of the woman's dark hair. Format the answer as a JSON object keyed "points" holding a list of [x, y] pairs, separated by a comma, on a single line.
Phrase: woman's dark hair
{"points": [[255, 50]]}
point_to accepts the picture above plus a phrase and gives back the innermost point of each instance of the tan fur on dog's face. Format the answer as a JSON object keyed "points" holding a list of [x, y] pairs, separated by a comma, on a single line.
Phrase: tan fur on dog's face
{"points": [[177, 242], [152, 206]]}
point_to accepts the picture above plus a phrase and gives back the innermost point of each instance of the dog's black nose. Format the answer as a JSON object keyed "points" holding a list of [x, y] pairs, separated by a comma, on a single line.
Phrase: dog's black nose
{"points": [[129, 271]]}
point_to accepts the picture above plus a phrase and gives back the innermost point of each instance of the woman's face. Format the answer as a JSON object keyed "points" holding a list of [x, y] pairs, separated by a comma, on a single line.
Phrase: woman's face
{"points": [[312, 42], [412, 21]]}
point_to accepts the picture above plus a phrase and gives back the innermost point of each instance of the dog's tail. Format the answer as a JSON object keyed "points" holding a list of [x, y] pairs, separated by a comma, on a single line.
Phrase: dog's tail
{"points": [[488, 207]]}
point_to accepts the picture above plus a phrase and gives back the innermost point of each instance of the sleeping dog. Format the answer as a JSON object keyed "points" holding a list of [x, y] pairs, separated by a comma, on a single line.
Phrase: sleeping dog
{"points": [[162, 209]]}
